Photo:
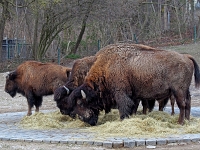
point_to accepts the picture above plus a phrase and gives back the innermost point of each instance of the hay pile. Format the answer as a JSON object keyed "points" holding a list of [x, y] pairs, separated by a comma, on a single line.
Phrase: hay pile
{"points": [[50, 120], [155, 124]]}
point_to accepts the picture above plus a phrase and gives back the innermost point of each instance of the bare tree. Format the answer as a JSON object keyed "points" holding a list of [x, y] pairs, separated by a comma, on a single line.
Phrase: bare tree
{"points": [[88, 8], [85, 22], [3, 17]]}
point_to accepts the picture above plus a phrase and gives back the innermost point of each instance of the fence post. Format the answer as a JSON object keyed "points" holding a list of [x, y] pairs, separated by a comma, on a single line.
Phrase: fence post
{"points": [[59, 56], [7, 49], [195, 33], [135, 38], [99, 45]]}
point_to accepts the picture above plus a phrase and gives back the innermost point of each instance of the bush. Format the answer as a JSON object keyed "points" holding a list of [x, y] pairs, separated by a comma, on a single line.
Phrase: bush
{"points": [[73, 56]]}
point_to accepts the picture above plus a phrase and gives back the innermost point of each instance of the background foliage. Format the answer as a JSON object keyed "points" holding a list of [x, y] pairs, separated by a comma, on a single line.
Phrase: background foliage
{"points": [[81, 27]]}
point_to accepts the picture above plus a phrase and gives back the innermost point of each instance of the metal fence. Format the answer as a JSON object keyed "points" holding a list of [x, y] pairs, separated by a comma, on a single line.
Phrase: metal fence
{"points": [[12, 48]]}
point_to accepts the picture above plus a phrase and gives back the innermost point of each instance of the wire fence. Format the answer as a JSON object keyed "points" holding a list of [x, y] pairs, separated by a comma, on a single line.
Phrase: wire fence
{"points": [[12, 48]]}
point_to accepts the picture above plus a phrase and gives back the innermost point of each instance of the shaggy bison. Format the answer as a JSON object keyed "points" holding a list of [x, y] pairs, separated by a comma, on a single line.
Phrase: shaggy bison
{"points": [[34, 80], [124, 73], [79, 70]]}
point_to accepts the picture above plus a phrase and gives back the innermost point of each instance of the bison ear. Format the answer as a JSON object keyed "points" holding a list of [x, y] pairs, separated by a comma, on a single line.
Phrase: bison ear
{"points": [[83, 94], [12, 75]]}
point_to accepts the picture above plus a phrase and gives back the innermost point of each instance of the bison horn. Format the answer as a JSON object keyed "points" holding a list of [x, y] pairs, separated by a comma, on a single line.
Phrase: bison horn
{"points": [[7, 75], [83, 94], [66, 89]]}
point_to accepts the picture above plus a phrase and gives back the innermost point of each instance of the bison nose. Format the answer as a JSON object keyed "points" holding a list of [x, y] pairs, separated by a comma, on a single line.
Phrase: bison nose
{"points": [[93, 123], [72, 116], [80, 117], [62, 112]]}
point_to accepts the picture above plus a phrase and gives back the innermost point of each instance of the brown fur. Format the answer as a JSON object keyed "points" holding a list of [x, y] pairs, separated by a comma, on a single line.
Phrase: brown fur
{"points": [[79, 70], [34, 79], [124, 73]]}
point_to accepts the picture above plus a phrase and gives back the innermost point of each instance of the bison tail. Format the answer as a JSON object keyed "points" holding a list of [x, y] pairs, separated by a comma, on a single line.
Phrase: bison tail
{"points": [[196, 73]]}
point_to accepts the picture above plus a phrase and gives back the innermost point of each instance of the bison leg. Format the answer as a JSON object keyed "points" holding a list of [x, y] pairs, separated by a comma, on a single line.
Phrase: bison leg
{"points": [[162, 103], [125, 105], [180, 100], [172, 99], [151, 104], [30, 101], [188, 105], [38, 103], [136, 102], [36, 109], [29, 110], [145, 105]]}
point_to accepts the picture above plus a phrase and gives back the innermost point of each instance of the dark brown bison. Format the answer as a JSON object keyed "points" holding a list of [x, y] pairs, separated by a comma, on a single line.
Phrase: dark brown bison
{"points": [[124, 73], [34, 80], [79, 70]]}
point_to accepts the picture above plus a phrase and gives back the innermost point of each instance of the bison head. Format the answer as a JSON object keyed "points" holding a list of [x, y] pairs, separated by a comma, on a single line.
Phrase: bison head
{"points": [[11, 85], [64, 91], [83, 101]]}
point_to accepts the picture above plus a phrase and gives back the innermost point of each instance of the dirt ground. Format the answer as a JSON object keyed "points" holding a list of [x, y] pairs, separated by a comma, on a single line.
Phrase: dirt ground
{"points": [[18, 104]]}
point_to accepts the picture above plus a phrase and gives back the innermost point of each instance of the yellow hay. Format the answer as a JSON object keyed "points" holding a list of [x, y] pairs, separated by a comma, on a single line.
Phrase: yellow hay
{"points": [[49, 121], [154, 124]]}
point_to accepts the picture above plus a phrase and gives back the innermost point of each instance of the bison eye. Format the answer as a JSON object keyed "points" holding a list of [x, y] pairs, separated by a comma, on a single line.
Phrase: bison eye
{"points": [[79, 102]]}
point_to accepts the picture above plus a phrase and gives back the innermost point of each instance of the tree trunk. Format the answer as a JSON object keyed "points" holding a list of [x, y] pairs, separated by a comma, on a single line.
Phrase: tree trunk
{"points": [[74, 49], [35, 36], [198, 28], [165, 17], [192, 12], [177, 12], [4, 16]]}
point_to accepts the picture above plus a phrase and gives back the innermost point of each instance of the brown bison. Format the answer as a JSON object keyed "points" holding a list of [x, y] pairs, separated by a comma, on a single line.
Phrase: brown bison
{"points": [[34, 80], [79, 70], [78, 73], [124, 73]]}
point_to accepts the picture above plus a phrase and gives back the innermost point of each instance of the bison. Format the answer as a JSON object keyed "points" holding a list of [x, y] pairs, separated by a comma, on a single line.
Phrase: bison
{"points": [[124, 73], [79, 70], [34, 80]]}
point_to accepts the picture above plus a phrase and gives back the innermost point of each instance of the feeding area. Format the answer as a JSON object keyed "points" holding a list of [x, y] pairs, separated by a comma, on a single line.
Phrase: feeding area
{"points": [[154, 124]]}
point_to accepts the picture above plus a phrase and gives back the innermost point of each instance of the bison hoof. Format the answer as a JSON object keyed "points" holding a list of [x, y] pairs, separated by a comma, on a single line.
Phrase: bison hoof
{"points": [[123, 117], [29, 114]]}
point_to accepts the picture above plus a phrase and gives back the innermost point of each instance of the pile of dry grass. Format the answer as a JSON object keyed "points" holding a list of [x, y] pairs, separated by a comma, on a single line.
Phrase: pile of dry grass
{"points": [[155, 124], [50, 120]]}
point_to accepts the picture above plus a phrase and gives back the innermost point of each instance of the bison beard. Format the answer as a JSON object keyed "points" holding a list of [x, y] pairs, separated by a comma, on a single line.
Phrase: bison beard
{"points": [[125, 73]]}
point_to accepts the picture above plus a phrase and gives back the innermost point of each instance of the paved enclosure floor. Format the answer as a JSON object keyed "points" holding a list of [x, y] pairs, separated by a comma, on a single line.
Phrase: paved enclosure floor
{"points": [[10, 131], [14, 109]]}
